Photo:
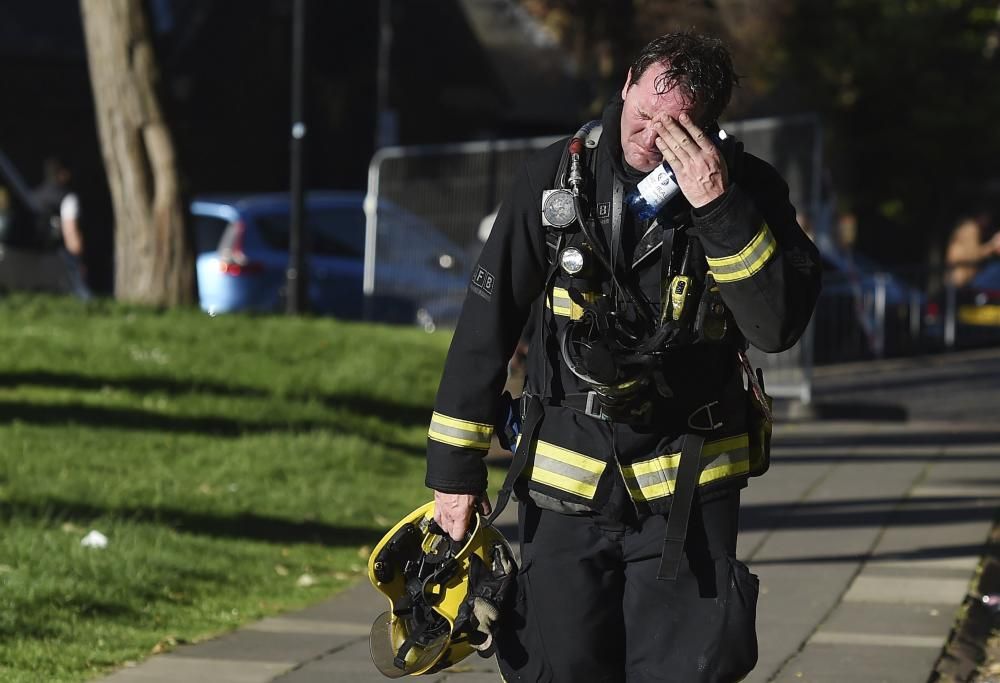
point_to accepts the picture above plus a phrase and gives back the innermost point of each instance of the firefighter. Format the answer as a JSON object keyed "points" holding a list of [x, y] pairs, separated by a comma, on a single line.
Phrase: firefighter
{"points": [[639, 422]]}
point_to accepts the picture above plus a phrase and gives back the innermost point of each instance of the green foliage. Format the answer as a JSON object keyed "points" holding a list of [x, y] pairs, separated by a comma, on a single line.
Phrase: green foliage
{"points": [[910, 90], [224, 458]]}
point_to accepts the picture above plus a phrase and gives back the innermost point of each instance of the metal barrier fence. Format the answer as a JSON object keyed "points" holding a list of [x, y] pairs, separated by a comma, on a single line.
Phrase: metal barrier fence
{"points": [[867, 313], [794, 146], [453, 189]]}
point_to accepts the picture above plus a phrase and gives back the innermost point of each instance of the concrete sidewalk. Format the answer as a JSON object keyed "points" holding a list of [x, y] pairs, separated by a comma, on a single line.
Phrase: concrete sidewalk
{"points": [[866, 537]]}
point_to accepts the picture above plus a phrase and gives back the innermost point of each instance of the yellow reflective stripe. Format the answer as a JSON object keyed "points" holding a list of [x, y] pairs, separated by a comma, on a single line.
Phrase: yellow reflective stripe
{"points": [[566, 470], [726, 470], [584, 462], [647, 492], [655, 478], [563, 483], [735, 458], [664, 462], [461, 433], [561, 304], [713, 448], [748, 261]]}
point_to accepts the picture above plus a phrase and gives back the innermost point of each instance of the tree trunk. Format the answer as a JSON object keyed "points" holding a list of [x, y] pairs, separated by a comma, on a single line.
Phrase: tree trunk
{"points": [[154, 262]]}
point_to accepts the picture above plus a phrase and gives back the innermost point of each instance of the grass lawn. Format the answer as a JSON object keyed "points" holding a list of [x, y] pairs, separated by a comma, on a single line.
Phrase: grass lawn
{"points": [[239, 466]]}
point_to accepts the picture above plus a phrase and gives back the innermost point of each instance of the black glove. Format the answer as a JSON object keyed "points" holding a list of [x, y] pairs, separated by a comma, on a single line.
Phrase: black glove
{"points": [[488, 588]]}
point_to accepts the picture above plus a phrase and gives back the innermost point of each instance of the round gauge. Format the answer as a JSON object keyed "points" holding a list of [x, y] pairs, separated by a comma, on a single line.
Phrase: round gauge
{"points": [[571, 260], [558, 209]]}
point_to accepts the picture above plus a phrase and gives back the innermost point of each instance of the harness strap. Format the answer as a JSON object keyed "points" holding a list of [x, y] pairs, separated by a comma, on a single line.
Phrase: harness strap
{"points": [[680, 508], [547, 329], [617, 204], [531, 415]]}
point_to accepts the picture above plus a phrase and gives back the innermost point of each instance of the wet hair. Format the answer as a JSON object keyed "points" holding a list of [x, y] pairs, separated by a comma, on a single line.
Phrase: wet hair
{"points": [[699, 64]]}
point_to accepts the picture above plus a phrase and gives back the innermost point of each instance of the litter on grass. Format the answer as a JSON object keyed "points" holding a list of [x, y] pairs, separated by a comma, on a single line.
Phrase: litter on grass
{"points": [[94, 539]]}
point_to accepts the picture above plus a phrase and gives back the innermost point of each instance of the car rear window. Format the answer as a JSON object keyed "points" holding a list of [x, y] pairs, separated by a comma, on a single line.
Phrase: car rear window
{"points": [[330, 232], [208, 232]]}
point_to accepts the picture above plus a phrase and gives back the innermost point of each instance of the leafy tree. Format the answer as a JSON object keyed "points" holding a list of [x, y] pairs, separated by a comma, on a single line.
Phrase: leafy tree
{"points": [[909, 88]]}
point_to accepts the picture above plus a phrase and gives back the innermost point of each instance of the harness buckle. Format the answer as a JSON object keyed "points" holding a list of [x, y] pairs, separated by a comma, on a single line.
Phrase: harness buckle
{"points": [[594, 407]]}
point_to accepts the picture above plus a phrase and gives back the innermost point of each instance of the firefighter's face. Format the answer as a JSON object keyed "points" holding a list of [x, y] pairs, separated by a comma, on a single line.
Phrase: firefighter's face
{"points": [[643, 105]]}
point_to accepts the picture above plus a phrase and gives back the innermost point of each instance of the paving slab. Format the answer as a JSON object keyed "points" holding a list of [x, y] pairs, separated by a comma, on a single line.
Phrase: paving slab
{"points": [[173, 668], [853, 663], [917, 591], [918, 620]]}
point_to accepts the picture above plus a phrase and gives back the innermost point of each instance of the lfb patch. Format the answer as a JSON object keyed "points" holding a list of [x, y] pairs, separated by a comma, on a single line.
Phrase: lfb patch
{"points": [[604, 211], [482, 283]]}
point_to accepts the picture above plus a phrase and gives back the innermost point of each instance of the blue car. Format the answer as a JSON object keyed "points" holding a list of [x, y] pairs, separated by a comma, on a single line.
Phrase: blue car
{"points": [[242, 257]]}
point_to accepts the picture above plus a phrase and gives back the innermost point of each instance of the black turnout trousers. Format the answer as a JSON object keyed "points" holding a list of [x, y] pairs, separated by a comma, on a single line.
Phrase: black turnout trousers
{"points": [[589, 608]]}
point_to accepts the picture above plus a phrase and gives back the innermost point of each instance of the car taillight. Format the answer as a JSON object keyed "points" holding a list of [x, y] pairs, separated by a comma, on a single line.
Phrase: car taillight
{"points": [[236, 269], [233, 261]]}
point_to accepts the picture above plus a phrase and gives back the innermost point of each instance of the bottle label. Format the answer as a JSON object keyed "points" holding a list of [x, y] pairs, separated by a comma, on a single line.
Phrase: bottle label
{"points": [[658, 187]]}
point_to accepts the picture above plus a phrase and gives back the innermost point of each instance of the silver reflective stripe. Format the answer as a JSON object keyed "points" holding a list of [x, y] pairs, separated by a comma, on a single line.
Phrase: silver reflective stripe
{"points": [[652, 479], [661, 481], [461, 433], [729, 463], [566, 470], [561, 303]]}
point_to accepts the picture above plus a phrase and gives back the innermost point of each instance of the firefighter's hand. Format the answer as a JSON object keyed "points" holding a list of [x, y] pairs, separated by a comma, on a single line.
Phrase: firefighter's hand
{"points": [[452, 511], [697, 163]]}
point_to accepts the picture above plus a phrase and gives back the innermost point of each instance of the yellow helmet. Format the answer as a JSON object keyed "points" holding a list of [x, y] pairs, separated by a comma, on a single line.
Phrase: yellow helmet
{"points": [[444, 596]]}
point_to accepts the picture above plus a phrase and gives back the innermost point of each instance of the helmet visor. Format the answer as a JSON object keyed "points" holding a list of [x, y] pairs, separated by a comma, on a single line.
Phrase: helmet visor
{"points": [[397, 654]]}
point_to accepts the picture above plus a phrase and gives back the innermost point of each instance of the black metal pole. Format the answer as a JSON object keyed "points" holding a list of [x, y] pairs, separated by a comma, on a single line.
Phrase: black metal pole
{"points": [[295, 301], [383, 129]]}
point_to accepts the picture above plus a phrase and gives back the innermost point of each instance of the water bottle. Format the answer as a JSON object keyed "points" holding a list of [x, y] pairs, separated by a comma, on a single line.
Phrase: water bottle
{"points": [[652, 192], [659, 187]]}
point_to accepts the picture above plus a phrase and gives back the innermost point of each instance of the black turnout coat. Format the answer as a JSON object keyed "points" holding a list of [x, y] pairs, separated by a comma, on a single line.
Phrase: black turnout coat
{"points": [[768, 275]]}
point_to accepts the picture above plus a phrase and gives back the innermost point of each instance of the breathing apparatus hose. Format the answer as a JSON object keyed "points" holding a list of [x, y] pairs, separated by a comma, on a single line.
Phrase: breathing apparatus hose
{"points": [[575, 180]]}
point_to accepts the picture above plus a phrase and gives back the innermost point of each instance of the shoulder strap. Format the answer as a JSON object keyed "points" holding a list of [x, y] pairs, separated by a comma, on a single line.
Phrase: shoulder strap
{"points": [[531, 416], [591, 132]]}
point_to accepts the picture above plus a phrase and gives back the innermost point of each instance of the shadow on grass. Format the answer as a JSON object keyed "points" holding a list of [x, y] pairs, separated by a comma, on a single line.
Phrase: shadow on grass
{"points": [[405, 414], [139, 385], [245, 526], [143, 420]]}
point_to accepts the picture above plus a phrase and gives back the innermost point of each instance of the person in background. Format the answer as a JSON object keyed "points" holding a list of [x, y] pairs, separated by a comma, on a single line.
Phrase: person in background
{"points": [[61, 205], [968, 247]]}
